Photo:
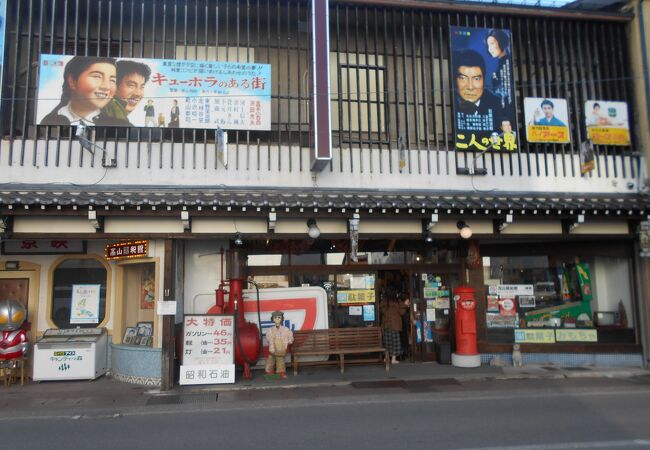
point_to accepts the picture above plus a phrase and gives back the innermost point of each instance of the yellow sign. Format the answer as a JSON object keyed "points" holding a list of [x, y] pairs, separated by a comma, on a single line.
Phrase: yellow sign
{"points": [[551, 134], [533, 336], [573, 335], [609, 135], [356, 296]]}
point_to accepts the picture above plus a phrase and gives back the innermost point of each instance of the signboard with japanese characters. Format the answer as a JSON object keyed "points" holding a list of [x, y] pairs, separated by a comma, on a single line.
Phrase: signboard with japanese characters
{"points": [[158, 93], [576, 335], [357, 296], [506, 290], [533, 336], [607, 122], [84, 307], [42, 246], [547, 120], [485, 115], [208, 349], [126, 250]]}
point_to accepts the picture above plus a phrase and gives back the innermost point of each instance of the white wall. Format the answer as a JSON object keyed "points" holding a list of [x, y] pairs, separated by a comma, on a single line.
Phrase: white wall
{"points": [[355, 175], [202, 273], [611, 284]]}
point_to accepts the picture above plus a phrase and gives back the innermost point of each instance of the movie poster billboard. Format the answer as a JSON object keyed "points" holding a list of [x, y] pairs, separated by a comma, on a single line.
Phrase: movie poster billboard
{"points": [[160, 93], [547, 120], [483, 86], [607, 122]]}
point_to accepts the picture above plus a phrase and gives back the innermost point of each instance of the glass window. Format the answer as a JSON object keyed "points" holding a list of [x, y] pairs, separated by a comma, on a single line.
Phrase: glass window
{"points": [[557, 292], [267, 260], [73, 272]]}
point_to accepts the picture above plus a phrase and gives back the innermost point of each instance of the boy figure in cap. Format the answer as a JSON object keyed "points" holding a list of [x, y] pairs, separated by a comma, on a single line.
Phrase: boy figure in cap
{"points": [[279, 337]]}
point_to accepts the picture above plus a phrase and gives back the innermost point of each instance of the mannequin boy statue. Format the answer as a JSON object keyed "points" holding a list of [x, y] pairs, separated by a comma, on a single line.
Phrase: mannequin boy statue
{"points": [[279, 337]]}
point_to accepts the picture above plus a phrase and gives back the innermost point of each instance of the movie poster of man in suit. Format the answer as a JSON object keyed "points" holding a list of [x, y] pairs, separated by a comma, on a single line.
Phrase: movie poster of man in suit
{"points": [[482, 80]]}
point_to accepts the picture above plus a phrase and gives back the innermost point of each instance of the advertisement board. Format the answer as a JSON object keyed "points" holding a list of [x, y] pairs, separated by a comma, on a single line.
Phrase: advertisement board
{"points": [[208, 350], [607, 122], [84, 307], [483, 85], [160, 93], [547, 120]]}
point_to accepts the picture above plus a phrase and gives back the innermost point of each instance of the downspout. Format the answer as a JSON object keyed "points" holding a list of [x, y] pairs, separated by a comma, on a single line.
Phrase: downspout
{"points": [[646, 81]]}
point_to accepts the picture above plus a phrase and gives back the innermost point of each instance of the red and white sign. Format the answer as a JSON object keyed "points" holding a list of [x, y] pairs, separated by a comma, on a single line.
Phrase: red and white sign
{"points": [[507, 307], [305, 308]]}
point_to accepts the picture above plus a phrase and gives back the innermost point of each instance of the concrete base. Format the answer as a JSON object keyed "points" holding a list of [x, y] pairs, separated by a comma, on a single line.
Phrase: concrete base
{"points": [[465, 360]]}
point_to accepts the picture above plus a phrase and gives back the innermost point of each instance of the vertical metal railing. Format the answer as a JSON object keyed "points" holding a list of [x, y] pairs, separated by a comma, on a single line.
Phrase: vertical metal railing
{"points": [[394, 63]]}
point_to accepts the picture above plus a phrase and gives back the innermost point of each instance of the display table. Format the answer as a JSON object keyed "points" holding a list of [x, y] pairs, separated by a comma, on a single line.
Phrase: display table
{"points": [[71, 354]]}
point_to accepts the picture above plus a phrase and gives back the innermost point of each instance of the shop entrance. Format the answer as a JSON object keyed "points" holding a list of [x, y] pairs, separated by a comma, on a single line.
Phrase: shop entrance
{"points": [[137, 289], [427, 324]]}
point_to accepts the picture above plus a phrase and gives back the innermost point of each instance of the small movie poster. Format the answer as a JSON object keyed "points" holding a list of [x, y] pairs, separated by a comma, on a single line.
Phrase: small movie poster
{"points": [[607, 122], [547, 120]]}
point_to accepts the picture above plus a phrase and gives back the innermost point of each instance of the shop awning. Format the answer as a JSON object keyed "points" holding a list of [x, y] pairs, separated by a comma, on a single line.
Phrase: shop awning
{"points": [[153, 198]]}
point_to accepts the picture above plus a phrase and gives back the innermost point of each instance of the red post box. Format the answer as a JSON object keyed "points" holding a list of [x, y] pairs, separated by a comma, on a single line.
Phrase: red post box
{"points": [[466, 354]]}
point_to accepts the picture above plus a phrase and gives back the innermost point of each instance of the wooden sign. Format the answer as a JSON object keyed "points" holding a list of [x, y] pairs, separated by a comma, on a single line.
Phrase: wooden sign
{"points": [[126, 250]]}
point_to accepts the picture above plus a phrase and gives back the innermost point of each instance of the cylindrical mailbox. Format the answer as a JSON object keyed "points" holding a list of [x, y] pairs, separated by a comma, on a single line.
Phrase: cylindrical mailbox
{"points": [[466, 354]]}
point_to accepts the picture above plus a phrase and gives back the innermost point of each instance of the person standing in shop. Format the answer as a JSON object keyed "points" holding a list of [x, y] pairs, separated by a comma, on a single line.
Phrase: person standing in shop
{"points": [[392, 311]]}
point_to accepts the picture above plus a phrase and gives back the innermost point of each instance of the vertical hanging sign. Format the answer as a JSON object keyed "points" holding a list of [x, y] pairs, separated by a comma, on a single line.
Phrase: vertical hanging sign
{"points": [[3, 17], [319, 105]]}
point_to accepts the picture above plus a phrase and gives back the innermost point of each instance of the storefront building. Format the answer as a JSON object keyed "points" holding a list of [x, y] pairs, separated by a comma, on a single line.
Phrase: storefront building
{"points": [[551, 232]]}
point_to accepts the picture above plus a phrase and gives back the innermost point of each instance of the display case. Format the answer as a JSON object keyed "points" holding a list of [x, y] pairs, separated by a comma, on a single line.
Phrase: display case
{"points": [[71, 354]]}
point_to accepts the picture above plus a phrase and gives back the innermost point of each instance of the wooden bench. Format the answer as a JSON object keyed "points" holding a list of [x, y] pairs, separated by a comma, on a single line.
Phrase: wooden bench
{"points": [[337, 341]]}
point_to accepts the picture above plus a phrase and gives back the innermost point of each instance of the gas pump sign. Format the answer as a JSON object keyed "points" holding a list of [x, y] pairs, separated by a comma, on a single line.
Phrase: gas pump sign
{"points": [[208, 350]]}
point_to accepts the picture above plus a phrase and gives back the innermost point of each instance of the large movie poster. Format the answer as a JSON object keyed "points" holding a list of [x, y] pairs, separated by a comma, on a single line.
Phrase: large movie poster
{"points": [[161, 93], [483, 85]]}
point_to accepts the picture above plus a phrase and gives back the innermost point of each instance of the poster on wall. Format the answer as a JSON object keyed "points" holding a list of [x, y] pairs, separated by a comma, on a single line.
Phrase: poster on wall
{"points": [[607, 122], [158, 93], [85, 303], [547, 120], [148, 288], [483, 85]]}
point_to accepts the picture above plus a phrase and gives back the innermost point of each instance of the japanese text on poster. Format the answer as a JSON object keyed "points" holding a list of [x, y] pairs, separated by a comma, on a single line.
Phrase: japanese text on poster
{"points": [[84, 307], [208, 349], [160, 93], [607, 122], [483, 86], [547, 120]]}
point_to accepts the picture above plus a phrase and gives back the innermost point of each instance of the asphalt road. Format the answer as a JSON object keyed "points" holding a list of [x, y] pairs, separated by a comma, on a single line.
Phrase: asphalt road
{"points": [[441, 414]]}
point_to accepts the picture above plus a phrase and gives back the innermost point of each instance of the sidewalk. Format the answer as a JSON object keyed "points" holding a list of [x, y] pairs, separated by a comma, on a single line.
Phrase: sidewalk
{"points": [[107, 394]]}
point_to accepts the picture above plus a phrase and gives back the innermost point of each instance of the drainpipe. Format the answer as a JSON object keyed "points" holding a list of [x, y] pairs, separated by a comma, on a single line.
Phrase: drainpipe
{"points": [[644, 55]]}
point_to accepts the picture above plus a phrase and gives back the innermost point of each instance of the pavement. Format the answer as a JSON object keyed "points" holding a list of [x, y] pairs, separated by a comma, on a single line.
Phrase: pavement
{"points": [[108, 394]]}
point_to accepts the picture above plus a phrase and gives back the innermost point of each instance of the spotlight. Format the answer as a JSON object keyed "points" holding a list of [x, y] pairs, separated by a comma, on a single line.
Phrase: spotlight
{"points": [[428, 237], [313, 230], [465, 230], [238, 240]]}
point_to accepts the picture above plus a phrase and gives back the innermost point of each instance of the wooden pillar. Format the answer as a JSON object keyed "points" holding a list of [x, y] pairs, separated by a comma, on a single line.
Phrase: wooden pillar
{"points": [[167, 366]]}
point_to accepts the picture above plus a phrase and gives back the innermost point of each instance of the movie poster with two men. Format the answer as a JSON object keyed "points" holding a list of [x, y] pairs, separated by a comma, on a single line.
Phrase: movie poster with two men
{"points": [[160, 93], [482, 76]]}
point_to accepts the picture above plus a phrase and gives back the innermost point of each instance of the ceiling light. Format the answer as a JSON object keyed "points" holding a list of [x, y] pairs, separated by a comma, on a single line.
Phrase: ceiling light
{"points": [[465, 230], [238, 240], [313, 230]]}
